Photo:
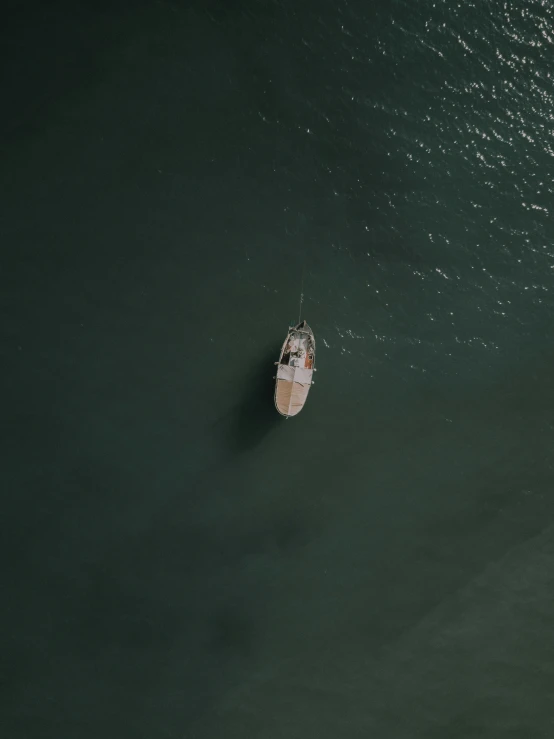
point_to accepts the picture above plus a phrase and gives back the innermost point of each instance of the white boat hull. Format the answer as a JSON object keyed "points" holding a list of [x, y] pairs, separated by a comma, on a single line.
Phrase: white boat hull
{"points": [[295, 370]]}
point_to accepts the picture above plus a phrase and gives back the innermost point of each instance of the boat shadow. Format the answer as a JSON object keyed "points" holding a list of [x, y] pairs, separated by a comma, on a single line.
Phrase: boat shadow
{"points": [[255, 415]]}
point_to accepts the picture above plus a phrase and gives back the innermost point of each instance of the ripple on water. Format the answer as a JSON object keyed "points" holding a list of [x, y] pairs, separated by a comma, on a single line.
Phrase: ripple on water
{"points": [[442, 128]]}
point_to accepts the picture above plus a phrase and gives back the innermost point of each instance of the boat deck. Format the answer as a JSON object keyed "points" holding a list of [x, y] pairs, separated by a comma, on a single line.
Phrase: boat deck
{"points": [[295, 372]]}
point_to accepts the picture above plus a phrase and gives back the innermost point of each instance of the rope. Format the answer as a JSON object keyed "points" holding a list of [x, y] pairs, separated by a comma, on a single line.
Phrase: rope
{"points": [[301, 296]]}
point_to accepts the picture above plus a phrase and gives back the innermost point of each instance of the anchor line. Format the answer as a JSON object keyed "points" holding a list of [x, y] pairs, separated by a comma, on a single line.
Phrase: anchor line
{"points": [[301, 295]]}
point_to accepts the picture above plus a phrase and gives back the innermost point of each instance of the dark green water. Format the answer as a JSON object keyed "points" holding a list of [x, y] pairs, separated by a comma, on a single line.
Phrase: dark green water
{"points": [[179, 561]]}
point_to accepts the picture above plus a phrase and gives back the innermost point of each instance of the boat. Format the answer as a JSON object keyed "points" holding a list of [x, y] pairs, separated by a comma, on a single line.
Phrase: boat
{"points": [[295, 370]]}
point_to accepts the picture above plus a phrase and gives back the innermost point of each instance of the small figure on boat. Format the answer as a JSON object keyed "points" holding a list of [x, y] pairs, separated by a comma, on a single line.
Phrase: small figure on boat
{"points": [[295, 370]]}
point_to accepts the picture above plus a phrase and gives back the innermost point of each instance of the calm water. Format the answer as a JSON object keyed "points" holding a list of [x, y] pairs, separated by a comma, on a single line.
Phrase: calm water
{"points": [[179, 561]]}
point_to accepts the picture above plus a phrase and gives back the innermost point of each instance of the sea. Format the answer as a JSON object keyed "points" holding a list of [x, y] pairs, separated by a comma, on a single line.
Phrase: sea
{"points": [[179, 182]]}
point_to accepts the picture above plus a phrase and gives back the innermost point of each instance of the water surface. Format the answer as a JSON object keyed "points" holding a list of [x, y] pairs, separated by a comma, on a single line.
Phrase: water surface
{"points": [[179, 560]]}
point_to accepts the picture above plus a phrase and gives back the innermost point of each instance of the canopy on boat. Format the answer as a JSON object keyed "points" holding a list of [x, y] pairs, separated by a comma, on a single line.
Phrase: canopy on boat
{"points": [[294, 374]]}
